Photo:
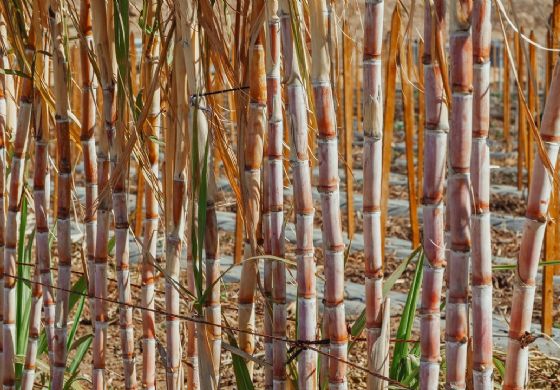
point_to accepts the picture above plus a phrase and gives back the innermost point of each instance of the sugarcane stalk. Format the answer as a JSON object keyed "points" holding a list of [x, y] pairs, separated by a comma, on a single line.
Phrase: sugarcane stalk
{"points": [[27, 382], [506, 101], [531, 243], [267, 269], [552, 248], [460, 137], [213, 308], [421, 119], [297, 119], [373, 159], [348, 113], [551, 252], [436, 129], [41, 191], [20, 145], [532, 102], [120, 162], [275, 171], [252, 159], [64, 166], [176, 147], [480, 219], [107, 68], [151, 45], [333, 245], [201, 369], [120, 200], [41, 195], [521, 119], [87, 138], [358, 90]]}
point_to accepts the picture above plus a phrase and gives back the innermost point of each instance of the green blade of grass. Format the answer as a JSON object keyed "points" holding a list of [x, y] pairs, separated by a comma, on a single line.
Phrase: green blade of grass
{"points": [[242, 377], [81, 346], [360, 323], [399, 368]]}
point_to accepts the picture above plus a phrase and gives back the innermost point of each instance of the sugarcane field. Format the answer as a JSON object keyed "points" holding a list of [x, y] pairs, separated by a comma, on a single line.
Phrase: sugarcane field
{"points": [[279, 194]]}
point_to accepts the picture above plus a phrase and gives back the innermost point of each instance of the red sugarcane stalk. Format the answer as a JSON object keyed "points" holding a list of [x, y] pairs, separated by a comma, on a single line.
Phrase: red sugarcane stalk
{"points": [[296, 116], [531, 243], [506, 101], [213, 307], [373, 161], [267, 275], [64, 243], [176, 204], [5, 81], [15, 192], [105, 55], [41, 195], [151, 220], [460, 136], [252, 159], [119, 177], [27, 382], [41, 192], [87, 138], [275, 170], [333, 245], [521, 117], [436, 128], [480, 219]]}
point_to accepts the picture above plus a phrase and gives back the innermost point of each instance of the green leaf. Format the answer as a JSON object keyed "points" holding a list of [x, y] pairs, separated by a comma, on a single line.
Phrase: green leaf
{"points": [[111, 245], [360, 323], [400, 367], [202, 198], [81, 346], [506, 267], [156, 140], [78, 290], [15, 72], [242, 377], [77, 318], [23, 288], [499, 366]]}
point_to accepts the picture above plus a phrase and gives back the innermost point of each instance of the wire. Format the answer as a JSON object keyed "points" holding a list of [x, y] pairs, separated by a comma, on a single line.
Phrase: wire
{"points": [[299, 344]]}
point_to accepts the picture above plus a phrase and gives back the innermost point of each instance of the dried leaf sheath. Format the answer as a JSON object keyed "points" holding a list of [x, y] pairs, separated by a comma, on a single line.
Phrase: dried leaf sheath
{"points": [[436, 128], [458, 188], [373, 160], [333, 244], [531, 243], [15, 189], [480, 219], [297, 123]]}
